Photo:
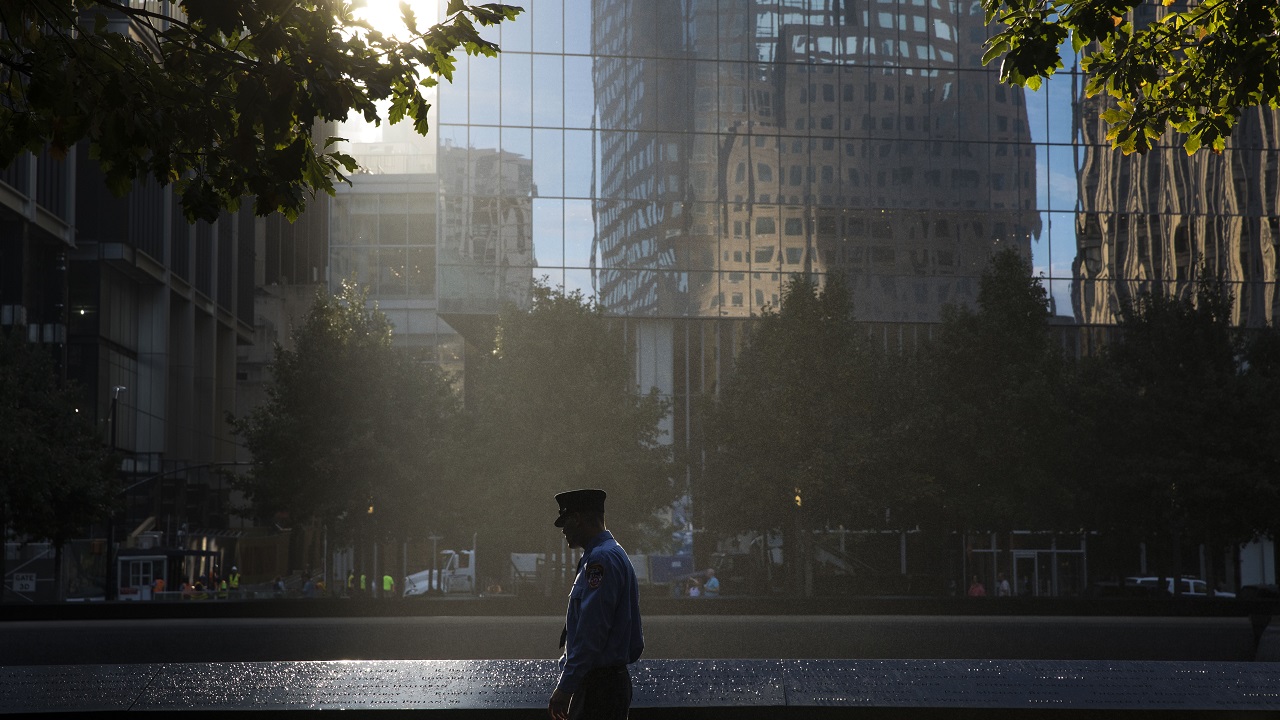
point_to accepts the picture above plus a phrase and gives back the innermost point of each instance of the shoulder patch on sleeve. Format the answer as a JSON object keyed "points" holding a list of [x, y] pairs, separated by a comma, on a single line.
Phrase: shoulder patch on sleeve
{"points": [[595, 575]]}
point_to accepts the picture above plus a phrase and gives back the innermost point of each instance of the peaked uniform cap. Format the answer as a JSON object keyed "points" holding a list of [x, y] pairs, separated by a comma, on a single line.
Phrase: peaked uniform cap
{"points": [[572, 501]]}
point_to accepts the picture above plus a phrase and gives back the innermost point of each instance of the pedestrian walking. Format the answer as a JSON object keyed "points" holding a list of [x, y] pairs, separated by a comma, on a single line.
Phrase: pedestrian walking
{"points": [[602, 633]]}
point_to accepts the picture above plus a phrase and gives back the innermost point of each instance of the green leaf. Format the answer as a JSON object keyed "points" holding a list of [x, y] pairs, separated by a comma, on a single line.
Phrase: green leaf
{"points": [[1077, 42], [996, 48]]}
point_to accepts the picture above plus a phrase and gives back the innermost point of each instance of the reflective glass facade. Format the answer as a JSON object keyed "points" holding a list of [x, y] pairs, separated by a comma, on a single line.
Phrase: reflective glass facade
{"points": [[680, 159], [686, 157]]}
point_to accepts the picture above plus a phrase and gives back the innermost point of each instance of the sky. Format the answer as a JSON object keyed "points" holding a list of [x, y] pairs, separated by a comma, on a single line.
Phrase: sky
{"points": [[1049, 113]]}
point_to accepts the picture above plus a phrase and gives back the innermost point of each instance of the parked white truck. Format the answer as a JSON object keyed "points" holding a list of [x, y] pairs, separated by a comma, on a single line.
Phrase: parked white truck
{"points": [[456, 574]]}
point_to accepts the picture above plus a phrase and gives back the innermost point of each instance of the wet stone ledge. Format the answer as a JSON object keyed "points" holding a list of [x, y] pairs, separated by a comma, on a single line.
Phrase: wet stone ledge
{"points": [[663, 688]]}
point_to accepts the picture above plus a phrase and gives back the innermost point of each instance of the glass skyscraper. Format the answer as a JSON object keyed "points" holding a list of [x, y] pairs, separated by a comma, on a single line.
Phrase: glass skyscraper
{"points": [[685, 157], [679, 160]]}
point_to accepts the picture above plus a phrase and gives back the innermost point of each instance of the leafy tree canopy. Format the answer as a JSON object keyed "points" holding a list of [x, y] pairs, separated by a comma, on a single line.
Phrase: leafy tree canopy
{"points": [[350, 422], [781, 445], [554, 406], [222, 100], [809, 429], [56, 475], [1191, 66], [993, 422], [1187, 426]]}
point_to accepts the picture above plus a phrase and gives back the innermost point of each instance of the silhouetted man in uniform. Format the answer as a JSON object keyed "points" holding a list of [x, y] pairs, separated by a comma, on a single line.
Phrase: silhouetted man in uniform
{"points": [[602, 626]]}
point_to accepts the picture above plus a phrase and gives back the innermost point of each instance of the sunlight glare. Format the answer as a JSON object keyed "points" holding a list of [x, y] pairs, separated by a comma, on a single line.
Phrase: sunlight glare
{"points": [[384, 15]]}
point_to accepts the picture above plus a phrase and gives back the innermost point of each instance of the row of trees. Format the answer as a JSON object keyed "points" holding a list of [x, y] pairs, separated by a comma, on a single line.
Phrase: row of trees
{"points": [[1168, 435], [358, 436]]}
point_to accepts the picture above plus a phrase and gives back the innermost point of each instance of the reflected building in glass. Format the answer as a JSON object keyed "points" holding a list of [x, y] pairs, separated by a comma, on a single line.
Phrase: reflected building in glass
{"points": [[680, 159], [767, 139], [486, 233], [1157, 222]]}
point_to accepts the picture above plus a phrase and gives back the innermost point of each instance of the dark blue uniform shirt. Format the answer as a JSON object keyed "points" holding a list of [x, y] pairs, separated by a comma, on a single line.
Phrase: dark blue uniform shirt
{"points": [[603, 623]]}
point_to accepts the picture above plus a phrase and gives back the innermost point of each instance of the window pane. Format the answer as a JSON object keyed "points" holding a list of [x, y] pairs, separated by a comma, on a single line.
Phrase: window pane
{"points": [[548, 231], [577, 26], [453, 95], [580, 280], [548, 25], [548, 162], [483, 88], [579, 105], [577, 161], [391, 227], [516, 89], [421, 222], [548, 90], [517, 170], [516, 33], [391, 272], [579, 232]]}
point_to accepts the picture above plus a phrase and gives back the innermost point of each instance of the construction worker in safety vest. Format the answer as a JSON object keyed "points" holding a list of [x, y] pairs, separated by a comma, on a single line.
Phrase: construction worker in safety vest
{"points": [[233, 581], [351, 582], [388, 586], [364, 583]]}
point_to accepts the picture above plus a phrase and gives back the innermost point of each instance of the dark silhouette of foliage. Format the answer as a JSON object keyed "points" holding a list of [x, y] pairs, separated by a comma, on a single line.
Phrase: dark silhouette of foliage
{"points": [[350, 423], [992, 424], [1186, 426], [222, 100], [553, 406], [57, 477], [807, 431]]}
